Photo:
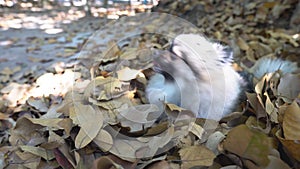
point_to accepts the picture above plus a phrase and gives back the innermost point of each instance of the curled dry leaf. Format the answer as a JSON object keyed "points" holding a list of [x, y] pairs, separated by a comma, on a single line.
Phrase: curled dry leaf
{"points": [[288, 88], [256, 104], [284, 36], [213, 141], [291, 146], [291, 121], [271, 109], [196, 129]]}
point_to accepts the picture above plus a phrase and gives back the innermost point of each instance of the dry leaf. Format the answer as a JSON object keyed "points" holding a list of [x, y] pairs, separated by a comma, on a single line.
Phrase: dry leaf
{"points": [[54, 124], [104, 140], [276, 162], [196, 156], [271, 109], [38, 104], [291, 121], [213, 141], [38, 151], [139, 113], [129, 54], [90, 119], [292, 146], [253, 145], [196, 129], [242, 44], [111, 53], [288, 87], [127, 74], [26, 131]]}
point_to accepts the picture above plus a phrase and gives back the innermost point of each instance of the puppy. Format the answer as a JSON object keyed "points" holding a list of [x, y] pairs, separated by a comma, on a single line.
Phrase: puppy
{"points": [[197, 74]]}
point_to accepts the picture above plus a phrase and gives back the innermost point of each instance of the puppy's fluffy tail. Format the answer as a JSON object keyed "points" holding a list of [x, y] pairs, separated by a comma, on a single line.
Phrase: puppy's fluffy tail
{"points": [[268, 65]]}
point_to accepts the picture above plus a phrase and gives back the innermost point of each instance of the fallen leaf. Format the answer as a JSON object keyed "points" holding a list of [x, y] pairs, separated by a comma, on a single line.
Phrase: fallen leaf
{"points": [[276, 162], [55, 123], [127, 74], [196, 129], [38, 151], [288, 88], [104, 140], [292, 146], [86, 116], [196, 156], [242, 44], [38, 104], [291, 121], [254, 145]]}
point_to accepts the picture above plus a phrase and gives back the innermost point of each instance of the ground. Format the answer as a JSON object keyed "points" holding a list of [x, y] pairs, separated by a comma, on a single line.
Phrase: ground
{"points": [[72, 88]]}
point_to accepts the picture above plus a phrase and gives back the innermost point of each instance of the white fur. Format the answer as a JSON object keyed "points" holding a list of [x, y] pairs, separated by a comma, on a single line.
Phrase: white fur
{"points": [[204, 80], [206, 85], [269, 65]]}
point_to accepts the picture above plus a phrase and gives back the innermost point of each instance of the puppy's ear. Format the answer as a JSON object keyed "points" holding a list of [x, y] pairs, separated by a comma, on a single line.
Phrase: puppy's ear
{"points": [[225, 53]]}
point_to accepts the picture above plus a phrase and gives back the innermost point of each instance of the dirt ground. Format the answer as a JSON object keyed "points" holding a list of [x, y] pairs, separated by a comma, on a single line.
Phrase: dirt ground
{"points": [[44, 124], [39, 41]]}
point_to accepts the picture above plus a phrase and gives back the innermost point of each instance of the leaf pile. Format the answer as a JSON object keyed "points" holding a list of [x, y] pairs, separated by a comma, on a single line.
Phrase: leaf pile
{"points": [[252, 29], [106, 122]]}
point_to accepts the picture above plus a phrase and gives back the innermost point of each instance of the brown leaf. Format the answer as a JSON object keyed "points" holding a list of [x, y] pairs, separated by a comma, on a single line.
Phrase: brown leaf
{"points": [[161, 164], [276, 162], [252, 145], [111, 162], [38, 151], [292, 146], [104, 140], [86, 116], [38, 104], [62, 160], [196, 156], [138, 117], [53, 123], [291, 121], [288, 87], [242, 44], [127, 74], [25, 131], [111, 52]]}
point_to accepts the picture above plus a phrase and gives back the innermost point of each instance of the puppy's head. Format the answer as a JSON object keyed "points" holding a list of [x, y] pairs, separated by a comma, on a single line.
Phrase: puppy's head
{"points": [[170, 65], [200, 53]]}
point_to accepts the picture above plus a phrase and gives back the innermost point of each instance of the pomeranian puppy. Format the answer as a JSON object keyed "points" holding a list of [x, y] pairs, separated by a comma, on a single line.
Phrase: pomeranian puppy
{"points": [[197, 74]]}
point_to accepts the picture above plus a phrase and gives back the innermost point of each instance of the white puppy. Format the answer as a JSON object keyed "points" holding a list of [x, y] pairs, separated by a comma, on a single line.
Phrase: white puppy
{"points": [[197, 75]]}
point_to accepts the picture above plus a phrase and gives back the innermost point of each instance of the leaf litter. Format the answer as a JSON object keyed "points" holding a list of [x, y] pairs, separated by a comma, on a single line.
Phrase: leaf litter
{"points": [[107, 121]]}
